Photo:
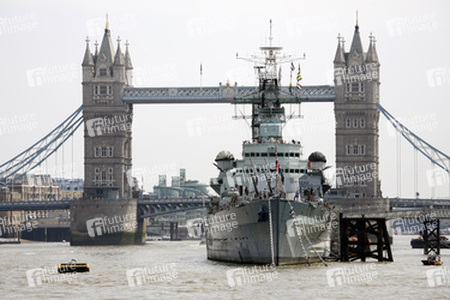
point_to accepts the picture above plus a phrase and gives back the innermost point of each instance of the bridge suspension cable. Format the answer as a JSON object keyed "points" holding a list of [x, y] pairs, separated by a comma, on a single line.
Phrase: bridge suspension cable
{"points": [[437, 157], [41, 150]]}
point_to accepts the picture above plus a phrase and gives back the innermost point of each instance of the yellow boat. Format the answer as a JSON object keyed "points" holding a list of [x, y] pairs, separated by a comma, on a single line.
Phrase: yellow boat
{"points": [[73, 267], [431, 263]]}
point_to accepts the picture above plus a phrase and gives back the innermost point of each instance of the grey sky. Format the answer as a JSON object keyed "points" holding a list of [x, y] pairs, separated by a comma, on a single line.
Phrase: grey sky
{"points": [[169, 40]]}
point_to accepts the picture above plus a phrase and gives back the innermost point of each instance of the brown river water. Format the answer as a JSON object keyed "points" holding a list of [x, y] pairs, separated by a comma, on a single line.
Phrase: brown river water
{"points": [[180, 270]]}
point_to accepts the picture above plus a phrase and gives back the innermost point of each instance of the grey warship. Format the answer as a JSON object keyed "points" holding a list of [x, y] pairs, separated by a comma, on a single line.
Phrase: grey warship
{"points": [[271, 208]]}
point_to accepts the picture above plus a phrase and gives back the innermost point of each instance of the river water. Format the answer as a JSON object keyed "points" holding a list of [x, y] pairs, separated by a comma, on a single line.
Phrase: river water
{"points": [[180, 270]]}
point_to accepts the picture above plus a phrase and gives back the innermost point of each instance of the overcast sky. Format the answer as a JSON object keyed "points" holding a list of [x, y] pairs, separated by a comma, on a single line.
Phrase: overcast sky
{"points": [[168, 41]]}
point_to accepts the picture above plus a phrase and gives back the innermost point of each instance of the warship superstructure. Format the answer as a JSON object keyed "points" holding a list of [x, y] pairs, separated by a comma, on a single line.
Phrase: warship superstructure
{"points": [[271, 208]]}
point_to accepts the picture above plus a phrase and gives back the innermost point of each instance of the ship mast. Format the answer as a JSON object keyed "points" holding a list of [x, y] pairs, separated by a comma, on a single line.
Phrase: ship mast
{"points": [[268, 116]]}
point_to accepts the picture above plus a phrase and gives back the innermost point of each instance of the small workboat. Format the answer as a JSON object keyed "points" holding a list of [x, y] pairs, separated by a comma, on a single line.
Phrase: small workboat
{"points": [[73, 267], [433, 259], [431, 263]]}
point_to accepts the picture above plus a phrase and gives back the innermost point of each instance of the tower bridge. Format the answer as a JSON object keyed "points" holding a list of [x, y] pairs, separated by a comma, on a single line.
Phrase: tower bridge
{"points": [[147, 208], [108, 100]]}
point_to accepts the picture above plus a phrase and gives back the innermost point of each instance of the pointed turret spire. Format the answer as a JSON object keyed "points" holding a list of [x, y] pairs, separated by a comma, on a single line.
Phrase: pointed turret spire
{"points": [[372, 55], [107, 49], [356, 45], [119, 59], [88, 59], [128, 64], [339, 57], [356, 49]]}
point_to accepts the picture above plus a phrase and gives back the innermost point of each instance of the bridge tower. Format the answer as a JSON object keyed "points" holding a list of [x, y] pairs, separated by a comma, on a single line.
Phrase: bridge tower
{"points": [[107, 214], [107, 134], [357, 82]]}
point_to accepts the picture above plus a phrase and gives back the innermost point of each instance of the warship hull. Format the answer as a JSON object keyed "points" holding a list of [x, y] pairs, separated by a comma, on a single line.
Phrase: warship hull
{"points": [[242, 234]]}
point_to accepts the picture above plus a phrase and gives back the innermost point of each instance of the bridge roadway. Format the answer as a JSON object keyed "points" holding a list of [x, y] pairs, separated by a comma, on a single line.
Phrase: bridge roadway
{"points": [[418, 214], [414, 202], [404, 208], [148, 207], [34, 205], [399, 207]]}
